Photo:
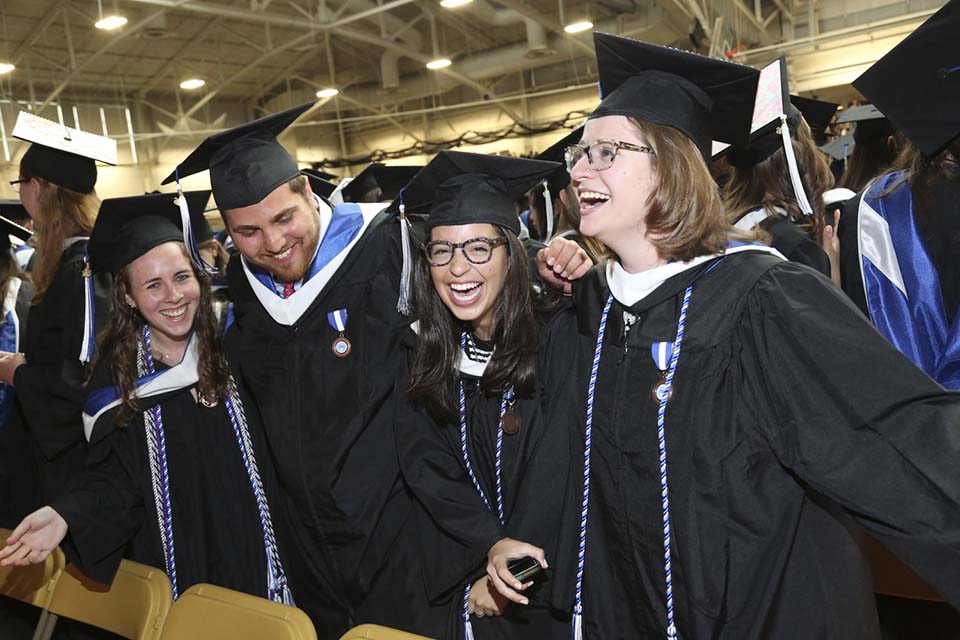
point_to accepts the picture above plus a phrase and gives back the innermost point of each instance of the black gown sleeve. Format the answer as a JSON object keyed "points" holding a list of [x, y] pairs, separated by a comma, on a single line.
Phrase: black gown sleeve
{"points": [[855, 420]]}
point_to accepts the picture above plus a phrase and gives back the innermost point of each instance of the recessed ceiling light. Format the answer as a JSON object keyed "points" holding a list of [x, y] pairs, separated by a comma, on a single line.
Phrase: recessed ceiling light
{"points": [[578, 27], [6, 67], [109, 23], [453, 4], [192, 83], [439, 63], [327, 93]]}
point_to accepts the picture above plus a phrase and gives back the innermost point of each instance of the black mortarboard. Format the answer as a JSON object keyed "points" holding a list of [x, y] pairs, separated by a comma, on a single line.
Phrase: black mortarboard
{"points": [[127, 228], [870, 123], [472, 188], [703, 97], [817, 113], [320, 185], [557, 153], [389, 179], [917, 83], [61, 155], [246, 163], [841, 148], [323, 175], [10, 228], [13, 210]]}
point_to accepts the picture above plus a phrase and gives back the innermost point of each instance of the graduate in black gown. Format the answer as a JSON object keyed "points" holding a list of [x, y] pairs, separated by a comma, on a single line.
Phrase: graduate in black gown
{"points": [[42, 447], [16, 293], [768, 189], [735, 417], [173, 478], [474, 420]]}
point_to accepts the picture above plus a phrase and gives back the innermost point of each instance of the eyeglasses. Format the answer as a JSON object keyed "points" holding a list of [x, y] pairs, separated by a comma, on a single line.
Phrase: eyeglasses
{"points": [[476, 250], [601, 153], [15, 185]]}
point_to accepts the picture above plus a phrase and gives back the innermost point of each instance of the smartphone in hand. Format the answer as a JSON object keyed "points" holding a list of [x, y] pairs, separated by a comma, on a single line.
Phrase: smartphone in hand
{"points": [[524, 568]]}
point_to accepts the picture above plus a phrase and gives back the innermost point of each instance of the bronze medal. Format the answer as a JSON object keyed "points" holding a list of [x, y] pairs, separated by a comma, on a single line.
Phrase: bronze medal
{"points": [[341, 347], [511, 421], [659, 389]]}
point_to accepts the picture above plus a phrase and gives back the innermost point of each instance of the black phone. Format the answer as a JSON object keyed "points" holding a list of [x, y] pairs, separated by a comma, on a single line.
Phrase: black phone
{"points": [[524, 568]]}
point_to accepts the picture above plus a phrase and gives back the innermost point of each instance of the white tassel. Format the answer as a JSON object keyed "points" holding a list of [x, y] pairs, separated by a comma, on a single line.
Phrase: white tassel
{"points": [[403, 302], [549, 210], [794, 172], [577, 626], [86, 346], [188, 240], [467, 630]]}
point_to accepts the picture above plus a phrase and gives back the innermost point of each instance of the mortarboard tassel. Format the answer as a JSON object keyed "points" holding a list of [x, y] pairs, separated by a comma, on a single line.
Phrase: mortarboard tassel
{"points": [[403, 302], [792, 164], [88, 345], [548, 199], [189, 241]]}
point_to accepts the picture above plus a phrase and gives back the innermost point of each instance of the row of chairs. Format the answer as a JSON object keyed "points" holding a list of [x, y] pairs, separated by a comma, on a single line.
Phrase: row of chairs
{"points": [[138, 606]]}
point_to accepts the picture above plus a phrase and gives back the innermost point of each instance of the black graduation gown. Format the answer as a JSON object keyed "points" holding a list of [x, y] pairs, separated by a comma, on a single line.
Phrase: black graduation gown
{"points": [[790, 420], [42, 447], [456, 527], [329, 426], [796, 245], [218, 537]]}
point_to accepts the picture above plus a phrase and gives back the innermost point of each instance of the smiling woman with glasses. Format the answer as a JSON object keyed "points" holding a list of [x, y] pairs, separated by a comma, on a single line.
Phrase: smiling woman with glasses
{"points": [[476, 250]]}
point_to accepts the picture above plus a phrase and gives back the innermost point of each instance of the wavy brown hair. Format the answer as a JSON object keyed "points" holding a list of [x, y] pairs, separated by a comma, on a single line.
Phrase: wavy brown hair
{"points": [[685, 216], [871, 158], [63, 213], [767, 184], [516, 334], [118, 345]]}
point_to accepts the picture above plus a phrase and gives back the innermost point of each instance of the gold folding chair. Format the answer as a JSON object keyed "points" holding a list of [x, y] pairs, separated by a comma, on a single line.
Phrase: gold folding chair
{"points": [[33, 584], [376, 632], [134, 606], [208, 612]]}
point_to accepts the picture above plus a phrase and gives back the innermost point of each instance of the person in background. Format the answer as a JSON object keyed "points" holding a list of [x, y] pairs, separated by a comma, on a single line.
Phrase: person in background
{"points": [[17, 292]]}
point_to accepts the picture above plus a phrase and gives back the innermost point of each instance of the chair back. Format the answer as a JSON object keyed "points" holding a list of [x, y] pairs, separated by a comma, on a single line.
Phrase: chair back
{"points": [[133, 607], [376, 632], [34, 583], [209, 612]]}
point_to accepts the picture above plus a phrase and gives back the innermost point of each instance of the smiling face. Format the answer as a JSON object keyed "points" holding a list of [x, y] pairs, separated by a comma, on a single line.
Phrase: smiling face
{"points": [[614, 202], [279, 233], [161, 284], [470, 290]]}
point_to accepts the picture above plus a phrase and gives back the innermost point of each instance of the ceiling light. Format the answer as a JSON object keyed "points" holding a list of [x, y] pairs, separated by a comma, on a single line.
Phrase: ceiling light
{"points": [[109, 23], [453, 4], [439, 63], [192, 83], [578, 27], [6, 67], [328, 92]]}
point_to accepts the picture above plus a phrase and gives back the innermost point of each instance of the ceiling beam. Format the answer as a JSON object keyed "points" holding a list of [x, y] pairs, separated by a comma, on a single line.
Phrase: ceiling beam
{"points": [[177, 57], [47, 19]]}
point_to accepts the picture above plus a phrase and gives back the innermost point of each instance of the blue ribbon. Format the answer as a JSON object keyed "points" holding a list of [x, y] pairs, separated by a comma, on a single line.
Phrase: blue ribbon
{"points": [[916, 323], [661, 352], [338, 320]]}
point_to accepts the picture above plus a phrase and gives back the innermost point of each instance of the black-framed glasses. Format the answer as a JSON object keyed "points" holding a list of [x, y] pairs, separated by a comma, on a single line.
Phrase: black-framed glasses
{"points": [[15, 185], [476, 250], [601, 153]]}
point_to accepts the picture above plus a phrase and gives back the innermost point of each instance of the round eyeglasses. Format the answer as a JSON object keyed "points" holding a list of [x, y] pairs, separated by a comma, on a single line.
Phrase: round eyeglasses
{"points": [[476, 250], [601, 153]]}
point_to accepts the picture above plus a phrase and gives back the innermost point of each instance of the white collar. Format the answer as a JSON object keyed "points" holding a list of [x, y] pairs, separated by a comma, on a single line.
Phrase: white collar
{"points": [[631, 288]]}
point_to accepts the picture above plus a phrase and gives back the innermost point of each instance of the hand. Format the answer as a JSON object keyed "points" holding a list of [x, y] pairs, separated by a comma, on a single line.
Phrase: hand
{"points": [[34, 538], [831, 246], [484, 599], [8, 365], [502, 580], [562, 262]]}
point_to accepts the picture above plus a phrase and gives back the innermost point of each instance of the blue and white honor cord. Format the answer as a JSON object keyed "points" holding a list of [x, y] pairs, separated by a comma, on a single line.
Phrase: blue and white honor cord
{"points": [[664, 397], [277, 589], [505, 402]]}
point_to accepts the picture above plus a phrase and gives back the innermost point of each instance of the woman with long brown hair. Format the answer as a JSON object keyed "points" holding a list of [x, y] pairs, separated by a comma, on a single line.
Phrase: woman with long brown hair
{"points": [[730, 415], [173, 475], [44, 441]]}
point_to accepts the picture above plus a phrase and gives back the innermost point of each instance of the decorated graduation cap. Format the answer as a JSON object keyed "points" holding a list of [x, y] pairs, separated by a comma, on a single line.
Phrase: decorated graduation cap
{"points": [[62, 155], [702, 97], [774, 119], [320, 185], [870, 123], [127, 228], [472, 188], [560, 178], [917, 83], [389, 179]]}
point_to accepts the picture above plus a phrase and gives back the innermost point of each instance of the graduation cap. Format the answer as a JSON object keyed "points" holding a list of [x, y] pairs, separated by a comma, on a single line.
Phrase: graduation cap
{"points": [[774, 118], [917, 83], [841, 148], [323, 175], [13, 210], [390, 179], [127, 228], [560, 178], [472, 188], [10, 228], [817, 113], [870, 123], [320, 185], [702, 97], [62, 155], [246, 163]]}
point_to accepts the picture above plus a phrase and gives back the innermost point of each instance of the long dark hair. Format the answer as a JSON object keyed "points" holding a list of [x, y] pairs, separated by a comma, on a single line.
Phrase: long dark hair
{"points": [[871, 158], [118, 346], [516, 334], [922, 172]]}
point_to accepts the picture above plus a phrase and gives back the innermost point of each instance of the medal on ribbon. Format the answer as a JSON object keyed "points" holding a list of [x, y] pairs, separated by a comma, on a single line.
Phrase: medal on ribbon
{"points": [[338, 320], [510, 422], [662, 352]]}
